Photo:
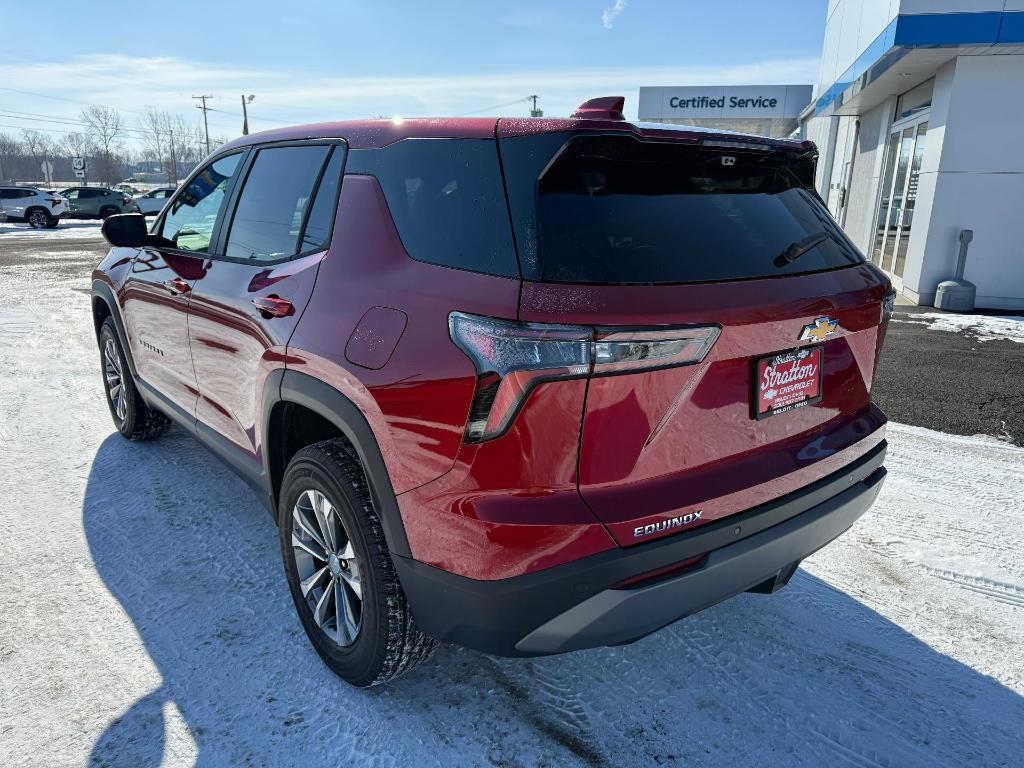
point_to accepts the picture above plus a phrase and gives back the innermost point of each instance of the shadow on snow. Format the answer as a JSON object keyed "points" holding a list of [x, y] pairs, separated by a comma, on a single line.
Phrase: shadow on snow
{"points": [[799, 678]]}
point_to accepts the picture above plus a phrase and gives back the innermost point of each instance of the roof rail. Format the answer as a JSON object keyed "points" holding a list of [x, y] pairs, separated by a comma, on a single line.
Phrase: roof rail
{"points": [[601, 108]]}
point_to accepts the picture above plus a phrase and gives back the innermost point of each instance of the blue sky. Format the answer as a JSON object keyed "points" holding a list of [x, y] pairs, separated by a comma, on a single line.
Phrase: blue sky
{"points": [[336, 60]]}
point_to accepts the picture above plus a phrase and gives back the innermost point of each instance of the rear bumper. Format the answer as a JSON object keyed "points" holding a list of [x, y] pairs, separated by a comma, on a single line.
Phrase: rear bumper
{"points": [[574, 606]]}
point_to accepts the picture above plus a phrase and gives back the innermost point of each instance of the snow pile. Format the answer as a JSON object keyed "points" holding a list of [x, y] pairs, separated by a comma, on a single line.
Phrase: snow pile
{"points": [[985, 327]]}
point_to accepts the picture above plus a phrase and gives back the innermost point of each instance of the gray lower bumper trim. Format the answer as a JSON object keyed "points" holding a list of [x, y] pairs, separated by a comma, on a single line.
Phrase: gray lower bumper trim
{"points": [[614, 616]]}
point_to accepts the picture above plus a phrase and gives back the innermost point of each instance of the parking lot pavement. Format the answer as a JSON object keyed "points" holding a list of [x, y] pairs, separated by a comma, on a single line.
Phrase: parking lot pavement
{"points": [[955, 373], [146, 619]]}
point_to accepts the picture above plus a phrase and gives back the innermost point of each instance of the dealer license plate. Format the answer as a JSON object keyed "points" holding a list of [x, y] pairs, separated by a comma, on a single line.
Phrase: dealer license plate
{"points": [[787, 381]]}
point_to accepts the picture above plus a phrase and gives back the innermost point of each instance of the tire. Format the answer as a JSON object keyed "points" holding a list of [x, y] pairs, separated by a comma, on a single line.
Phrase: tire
{"points": [[106, 213], [53, 223], [385, 642], [38, 218], [132, 417]]}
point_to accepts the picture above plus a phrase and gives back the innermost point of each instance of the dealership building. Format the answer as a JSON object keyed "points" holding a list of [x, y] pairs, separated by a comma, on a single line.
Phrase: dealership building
{"points": [[919, 120]]}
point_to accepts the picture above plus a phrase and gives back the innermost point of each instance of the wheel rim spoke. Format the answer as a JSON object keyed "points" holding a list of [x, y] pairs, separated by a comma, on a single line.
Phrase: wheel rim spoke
{"points": [[324, 514], [352, 580], [311, 547], [313, 580], [347, 616], [321, 613], [302, 522]]}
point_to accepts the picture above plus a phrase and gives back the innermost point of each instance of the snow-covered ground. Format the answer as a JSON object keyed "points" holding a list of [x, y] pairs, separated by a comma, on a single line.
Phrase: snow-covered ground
{"points": [[68, 228], [144, 618], [984, 327]]}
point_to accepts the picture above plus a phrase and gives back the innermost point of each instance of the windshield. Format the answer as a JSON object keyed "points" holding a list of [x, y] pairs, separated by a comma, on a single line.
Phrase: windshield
{"points": [[617, 210]]}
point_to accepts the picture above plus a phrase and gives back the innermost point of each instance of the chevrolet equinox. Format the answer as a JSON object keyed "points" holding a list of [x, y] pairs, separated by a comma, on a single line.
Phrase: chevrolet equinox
{"points": [[525, 385]]}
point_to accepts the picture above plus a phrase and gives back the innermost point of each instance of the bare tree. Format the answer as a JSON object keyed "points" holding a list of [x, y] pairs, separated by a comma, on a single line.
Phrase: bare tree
{"points": [[188, 148], [105, 128], [10, 152], [77, 145], [158, 130], [40, 147]]}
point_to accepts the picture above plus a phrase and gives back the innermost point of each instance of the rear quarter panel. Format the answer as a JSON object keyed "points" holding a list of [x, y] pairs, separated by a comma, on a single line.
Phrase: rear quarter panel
{"points": [[418, 402]]}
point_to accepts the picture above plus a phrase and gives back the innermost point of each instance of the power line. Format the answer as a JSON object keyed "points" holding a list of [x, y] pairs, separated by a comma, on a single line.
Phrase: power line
{"points": [[71, 123], [61, 98], [496, 106]]}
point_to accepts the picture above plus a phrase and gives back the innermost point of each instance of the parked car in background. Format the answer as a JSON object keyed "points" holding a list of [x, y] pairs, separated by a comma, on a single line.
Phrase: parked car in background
{"points": [[153, 201], [538, 386], [97, 202], [36, 207]]}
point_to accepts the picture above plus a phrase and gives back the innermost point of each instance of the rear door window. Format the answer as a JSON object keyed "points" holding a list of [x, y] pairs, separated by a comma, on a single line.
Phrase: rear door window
{"points": [[447, 200], [272, 206], [617, 210]]}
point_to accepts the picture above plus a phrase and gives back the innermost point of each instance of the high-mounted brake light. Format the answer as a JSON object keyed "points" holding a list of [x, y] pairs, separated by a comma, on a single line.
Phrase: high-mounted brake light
{"points": [[733, 144], [512, 358]]}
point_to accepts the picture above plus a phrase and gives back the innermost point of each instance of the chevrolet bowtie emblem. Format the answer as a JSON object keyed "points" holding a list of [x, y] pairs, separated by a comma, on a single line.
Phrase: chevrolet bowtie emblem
{"points": [[820, 329]]}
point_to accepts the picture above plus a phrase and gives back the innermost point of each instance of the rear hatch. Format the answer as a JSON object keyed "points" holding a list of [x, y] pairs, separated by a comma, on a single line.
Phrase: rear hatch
{"points": [[708, 237]]}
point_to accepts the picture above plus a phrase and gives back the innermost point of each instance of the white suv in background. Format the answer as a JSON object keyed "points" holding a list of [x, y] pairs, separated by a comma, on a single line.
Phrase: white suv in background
{"points": [[36, 207], [153, 201]]}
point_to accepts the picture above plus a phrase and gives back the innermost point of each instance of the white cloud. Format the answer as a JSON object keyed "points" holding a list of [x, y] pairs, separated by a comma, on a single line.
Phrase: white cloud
{"points": [[608, 15], [298, 96]]}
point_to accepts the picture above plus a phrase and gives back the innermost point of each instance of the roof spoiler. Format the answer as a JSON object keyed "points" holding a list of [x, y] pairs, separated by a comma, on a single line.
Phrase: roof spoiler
{"points": [[601, 108]]}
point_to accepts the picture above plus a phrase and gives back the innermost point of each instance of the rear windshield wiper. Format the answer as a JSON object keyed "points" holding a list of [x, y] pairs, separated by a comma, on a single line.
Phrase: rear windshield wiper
{"points": [[797, 249]]}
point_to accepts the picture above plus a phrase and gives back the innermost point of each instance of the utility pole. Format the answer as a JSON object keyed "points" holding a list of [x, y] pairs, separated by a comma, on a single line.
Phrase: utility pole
{"points": [[173, 176], [245, 114], [206, 126], [534, 112]]}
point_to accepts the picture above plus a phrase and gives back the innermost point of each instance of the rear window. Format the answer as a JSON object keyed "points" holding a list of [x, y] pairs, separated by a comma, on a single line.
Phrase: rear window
{"points": [[618, 210], [447, 199]]}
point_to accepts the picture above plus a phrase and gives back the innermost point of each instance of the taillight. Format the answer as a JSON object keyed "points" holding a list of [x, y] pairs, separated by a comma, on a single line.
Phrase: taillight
{"points": [[512, 358], [888, 305]]}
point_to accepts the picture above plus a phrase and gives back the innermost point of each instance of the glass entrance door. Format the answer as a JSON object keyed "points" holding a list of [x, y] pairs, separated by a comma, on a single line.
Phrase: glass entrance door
{"points": [[904, 154]]}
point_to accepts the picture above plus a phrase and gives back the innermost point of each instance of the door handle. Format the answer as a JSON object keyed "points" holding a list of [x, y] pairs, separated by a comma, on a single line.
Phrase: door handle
{"points": [[273, 306], [177, 285]]}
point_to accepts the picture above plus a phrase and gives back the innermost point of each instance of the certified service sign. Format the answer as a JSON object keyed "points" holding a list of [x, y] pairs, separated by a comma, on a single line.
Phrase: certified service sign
{"points": [[723, 102]]}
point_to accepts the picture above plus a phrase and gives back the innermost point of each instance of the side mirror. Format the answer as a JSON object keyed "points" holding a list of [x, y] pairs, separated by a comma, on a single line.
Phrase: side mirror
{"points": [[125, 230]]}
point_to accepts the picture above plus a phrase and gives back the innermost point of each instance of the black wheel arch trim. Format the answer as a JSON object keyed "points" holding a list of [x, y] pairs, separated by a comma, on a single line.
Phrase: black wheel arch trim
{"points": [[103, 291], [326, 401]]}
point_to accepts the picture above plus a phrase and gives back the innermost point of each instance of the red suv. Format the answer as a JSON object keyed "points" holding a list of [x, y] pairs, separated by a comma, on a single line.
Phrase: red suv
{"points": [[524, 385]]}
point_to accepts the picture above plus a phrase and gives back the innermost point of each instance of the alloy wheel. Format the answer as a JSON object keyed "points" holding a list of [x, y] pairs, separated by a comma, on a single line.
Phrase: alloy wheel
{"points": [[37, 219], [115, 384], [329, 571]]}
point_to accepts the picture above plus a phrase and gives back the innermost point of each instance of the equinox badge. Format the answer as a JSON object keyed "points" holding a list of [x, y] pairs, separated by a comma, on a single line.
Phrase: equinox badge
{"points": [[666, 525]]}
